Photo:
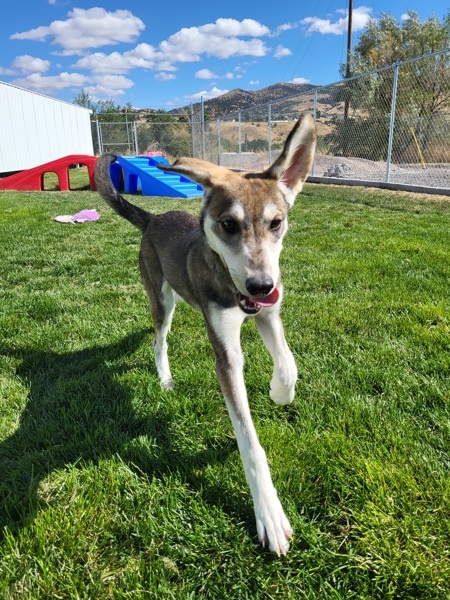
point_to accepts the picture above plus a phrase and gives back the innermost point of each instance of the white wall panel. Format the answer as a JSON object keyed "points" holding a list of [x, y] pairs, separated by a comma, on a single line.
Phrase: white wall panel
{"points": [[36, 129]]}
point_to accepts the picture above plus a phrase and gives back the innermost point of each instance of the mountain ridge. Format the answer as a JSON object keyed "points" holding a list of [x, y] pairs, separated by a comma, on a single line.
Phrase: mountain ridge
{"points": [[239, 99]]}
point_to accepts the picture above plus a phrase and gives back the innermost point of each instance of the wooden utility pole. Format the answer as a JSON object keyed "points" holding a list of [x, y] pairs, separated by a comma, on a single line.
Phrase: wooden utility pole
{"points": [[348, 69], [349, 38]]}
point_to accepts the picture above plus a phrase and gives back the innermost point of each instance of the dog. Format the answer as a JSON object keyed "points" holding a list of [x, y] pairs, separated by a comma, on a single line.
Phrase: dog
{"points": [[226, 265]]}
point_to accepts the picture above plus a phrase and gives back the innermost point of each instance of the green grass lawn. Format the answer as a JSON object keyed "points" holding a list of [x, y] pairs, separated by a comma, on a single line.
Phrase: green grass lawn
{"points": [[113, 488]]}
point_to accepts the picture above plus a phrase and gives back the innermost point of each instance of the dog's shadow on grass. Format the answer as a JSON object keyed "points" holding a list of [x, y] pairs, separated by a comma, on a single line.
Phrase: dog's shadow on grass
{"points": [[79, 412]]}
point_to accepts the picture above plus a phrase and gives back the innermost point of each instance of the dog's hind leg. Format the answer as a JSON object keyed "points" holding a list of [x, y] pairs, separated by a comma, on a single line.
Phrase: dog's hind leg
{"points": [[270, 327], [162, 305], [272, 525], [165, 310]]}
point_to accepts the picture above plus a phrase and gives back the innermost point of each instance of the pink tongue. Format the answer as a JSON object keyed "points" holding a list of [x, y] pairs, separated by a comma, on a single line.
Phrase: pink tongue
{"points": [[269, 300]]}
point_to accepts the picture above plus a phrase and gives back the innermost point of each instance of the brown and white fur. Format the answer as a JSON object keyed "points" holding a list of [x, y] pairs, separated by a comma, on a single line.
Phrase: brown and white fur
{"points": [[226, 265]]}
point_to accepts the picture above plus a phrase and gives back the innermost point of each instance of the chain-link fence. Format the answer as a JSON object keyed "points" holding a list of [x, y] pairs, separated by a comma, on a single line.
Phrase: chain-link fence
{"points": [[387, 126], [146, 131]]}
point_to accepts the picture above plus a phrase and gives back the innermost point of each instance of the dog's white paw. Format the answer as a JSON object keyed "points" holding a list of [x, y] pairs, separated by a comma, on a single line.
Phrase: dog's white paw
{"points": [[274, 529], [281, 393], [168, 383], [284, 378]]}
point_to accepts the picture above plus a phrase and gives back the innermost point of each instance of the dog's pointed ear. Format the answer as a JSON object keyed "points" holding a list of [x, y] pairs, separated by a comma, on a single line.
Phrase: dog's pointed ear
{"points": [[201, 171], [294, 163]]}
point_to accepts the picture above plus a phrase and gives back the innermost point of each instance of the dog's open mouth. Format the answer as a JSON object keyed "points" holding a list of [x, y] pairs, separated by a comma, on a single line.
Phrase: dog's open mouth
{"points": [[252, 305]]}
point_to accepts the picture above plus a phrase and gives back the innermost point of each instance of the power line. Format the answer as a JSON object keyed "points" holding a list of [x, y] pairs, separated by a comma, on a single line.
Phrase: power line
{"points": [[315, 13]]}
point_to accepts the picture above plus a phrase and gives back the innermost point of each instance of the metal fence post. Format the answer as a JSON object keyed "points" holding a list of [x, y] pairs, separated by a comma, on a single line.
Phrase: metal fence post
{"points": [[136, 147], [239, 140], [315, 119], [392, 123], [99, 137], [218, 142], [269, 133], [203, 131], [127, 129], [192, 131]]}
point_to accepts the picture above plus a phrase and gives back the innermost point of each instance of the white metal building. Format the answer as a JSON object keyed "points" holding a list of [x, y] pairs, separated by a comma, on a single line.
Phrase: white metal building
{"points": [[36, 129]]}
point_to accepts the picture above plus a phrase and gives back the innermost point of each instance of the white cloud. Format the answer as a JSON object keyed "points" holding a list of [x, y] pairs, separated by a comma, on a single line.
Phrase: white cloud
{"points": [[165, 76], [205, 74], [30, 64], [142, 56], [85, 31], [281, 52], [285, 27], [98, 93], [36, 35], [299, 80], [213, 93], [99, 62], [113, 82], [91, 28], [253, 82], [99, 87], [219, 39], [106, 87], [51, 84], [208, 74], [231, 27], [187, 45], [404, 17], [361, 15]]}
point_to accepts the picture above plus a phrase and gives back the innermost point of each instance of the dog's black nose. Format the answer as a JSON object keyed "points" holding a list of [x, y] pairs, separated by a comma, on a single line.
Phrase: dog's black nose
{"points": [[259, 286]]}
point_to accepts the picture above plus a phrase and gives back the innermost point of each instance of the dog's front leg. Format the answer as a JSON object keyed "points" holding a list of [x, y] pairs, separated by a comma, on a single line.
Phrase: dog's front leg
{"points": [[272, 525], [270, 327]]}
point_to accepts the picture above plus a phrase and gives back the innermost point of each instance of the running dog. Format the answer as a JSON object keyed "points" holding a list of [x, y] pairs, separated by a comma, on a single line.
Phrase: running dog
{"points": [[226, 265]]}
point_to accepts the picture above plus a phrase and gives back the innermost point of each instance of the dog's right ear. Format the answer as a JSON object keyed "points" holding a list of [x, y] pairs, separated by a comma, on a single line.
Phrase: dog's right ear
{"points": [[294, 163]]}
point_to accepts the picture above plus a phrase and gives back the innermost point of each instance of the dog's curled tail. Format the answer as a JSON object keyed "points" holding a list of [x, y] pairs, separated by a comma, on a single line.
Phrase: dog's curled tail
{"points": [[137, 216]]}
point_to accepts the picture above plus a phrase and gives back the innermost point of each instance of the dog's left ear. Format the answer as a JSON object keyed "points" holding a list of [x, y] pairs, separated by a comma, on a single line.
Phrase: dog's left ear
{"points": [[293, 165], [198, 170]]}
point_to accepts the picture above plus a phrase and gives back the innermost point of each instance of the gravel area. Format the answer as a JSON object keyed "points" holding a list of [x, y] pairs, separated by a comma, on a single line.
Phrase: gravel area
{"points": [[437, 176], [367, 170]]}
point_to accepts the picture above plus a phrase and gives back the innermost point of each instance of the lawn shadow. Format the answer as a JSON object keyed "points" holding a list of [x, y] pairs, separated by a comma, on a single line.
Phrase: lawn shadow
{"points": [[78, 412]]}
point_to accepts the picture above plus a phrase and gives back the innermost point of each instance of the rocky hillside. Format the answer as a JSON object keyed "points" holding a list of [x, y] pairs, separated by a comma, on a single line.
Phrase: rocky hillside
{"points": [[238, 99]]}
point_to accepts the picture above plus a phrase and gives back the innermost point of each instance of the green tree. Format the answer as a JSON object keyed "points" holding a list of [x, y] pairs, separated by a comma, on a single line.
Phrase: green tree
{"points": [[106, 110], [117, 134], [83, 99], [167, 133], [423, 91], [385, 41]]}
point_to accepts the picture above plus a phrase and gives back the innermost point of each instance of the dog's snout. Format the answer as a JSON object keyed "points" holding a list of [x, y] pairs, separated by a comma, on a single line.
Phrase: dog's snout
{"points": [[259, 286]]}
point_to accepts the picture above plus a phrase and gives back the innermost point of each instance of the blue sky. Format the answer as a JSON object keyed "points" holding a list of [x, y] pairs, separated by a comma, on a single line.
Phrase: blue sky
{"points": [[168, 54]]}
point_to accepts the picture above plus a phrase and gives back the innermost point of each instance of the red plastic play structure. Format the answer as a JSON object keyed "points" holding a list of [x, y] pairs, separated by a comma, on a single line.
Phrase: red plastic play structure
{"points": [[33, 179]]}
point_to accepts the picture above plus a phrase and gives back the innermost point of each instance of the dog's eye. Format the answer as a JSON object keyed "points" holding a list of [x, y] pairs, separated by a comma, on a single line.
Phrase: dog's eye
{"points": [[230, 226], [275, 224]]}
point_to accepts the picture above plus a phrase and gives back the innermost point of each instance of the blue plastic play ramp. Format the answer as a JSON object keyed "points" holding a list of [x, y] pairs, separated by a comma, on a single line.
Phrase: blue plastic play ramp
{"points": [[141, 172]]}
